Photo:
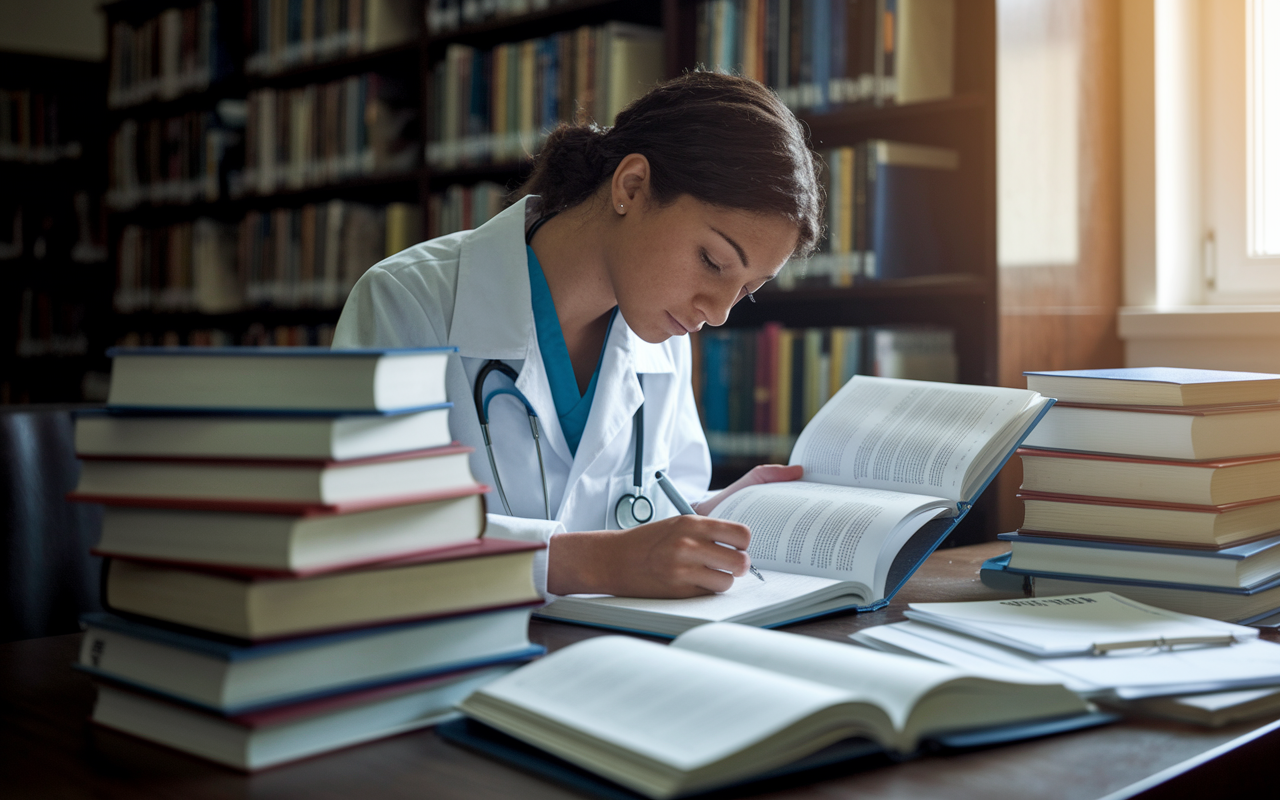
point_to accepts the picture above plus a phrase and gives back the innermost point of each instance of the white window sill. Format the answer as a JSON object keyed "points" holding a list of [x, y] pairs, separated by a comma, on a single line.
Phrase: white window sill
{"points": [[1245, 338]]}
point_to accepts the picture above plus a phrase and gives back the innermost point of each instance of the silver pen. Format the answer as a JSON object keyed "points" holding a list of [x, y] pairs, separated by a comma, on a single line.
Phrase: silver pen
{"points": [[682, 505]]}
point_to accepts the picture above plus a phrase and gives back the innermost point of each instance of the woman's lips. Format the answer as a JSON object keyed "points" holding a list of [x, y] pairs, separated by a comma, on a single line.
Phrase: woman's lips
{"points": [[677, 327]]}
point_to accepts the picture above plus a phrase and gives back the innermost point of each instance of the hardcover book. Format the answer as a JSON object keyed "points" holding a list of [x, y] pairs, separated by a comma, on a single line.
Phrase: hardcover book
{"points": [[891, 466]]}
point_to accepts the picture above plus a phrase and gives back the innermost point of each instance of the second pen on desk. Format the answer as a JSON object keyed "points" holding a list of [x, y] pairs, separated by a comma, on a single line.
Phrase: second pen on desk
{"points": [[682, 505]]}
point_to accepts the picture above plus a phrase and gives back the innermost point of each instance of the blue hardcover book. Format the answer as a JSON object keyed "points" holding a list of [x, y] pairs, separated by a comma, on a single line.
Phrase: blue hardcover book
{"points": [[1243, 565], [231, 677], [911, 232], [821, 48], [1156, 386], [891, 468], [1244, 605], [275, 379]]}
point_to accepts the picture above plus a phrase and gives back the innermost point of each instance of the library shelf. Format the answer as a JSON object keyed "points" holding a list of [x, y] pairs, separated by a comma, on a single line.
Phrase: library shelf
{"points": [[399, 186], [557, 17], [229, 88], [511, 171], [397, 58]]}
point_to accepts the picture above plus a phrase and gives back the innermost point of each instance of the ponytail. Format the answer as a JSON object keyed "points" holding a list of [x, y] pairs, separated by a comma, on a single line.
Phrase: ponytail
{"points": [[721, 139]]}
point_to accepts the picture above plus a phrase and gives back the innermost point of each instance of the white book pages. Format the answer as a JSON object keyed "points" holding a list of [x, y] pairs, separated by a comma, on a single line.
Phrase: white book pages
{"points": [[836, 532], [914, 436]]}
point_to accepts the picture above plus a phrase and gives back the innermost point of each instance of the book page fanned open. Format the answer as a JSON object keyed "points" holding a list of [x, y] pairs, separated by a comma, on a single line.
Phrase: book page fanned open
{"points": [[883, 459]]}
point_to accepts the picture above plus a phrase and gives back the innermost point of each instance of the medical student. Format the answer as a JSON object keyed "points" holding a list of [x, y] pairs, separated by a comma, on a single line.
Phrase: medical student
{"points": [[573, 306]]}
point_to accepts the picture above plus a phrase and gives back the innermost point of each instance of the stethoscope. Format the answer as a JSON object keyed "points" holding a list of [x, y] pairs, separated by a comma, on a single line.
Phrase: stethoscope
{"points": [[631, 509]]}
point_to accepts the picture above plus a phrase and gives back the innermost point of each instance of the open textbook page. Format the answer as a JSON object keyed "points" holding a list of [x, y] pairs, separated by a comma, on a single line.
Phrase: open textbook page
{"points": [[914, 436], [847, 534], [820, 549], [724, 702]]}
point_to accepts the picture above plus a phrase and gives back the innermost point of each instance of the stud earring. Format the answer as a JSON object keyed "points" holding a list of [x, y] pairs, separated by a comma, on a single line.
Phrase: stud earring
{"points": [[620, 206]]}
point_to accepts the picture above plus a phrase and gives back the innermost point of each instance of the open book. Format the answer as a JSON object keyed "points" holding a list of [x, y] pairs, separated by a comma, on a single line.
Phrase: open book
{"points": [[726, 703], [891, 466]]}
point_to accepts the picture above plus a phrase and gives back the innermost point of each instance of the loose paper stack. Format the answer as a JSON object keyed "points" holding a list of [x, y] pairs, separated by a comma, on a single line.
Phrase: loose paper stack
{"points": [[1162, 485], [295, 552], [1107, 648]]}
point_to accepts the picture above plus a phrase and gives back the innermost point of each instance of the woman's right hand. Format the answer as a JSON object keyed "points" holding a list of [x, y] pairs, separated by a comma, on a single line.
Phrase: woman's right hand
{"points": [[674, 557]]}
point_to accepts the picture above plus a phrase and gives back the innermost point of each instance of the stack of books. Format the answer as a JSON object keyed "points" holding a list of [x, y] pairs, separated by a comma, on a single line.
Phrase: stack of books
{"points": [[295, 552], [1162, 485]]}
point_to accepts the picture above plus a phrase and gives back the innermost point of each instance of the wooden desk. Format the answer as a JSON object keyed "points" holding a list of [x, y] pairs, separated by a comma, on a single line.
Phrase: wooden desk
{"points": [[48, 750]]}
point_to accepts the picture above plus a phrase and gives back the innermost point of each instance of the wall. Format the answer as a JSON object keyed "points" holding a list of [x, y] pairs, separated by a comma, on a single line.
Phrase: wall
{"points": [[1058, 304], [67, 28]]}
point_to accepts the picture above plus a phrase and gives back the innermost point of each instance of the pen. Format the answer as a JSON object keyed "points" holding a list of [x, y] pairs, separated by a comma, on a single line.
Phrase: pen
{"points": [[682, 505]]}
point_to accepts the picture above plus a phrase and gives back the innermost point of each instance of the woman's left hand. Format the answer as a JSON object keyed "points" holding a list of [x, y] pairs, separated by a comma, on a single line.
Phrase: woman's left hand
{"points": [[765, 473]]}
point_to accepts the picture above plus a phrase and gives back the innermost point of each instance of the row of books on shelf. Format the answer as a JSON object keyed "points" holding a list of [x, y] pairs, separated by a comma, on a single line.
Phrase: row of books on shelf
{"points": [[496, 105], [464, 208], [886, 214], [281, 34], [449, 15], [284, 584], [180, 50], [255, 335], [174, 160], [53, 228], [50, 325], [828, 53], [32, 128], [359, 126], [1158, 484], [758, 388], [306, 257]]}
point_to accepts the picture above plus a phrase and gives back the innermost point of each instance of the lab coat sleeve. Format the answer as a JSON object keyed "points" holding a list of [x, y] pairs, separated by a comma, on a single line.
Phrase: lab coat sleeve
{"points": [[500, 526], [690, 468]]}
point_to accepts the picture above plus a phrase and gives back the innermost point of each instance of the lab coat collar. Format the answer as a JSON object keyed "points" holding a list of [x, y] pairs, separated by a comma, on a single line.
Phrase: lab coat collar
{"points": [[493, 311]]}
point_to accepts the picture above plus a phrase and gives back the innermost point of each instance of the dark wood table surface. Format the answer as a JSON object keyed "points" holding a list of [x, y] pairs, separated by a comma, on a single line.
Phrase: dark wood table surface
{"points": [[48, 749]]}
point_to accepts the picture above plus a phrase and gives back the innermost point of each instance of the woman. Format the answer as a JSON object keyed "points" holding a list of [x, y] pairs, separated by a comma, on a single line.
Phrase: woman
{"points": [[628, 238]]}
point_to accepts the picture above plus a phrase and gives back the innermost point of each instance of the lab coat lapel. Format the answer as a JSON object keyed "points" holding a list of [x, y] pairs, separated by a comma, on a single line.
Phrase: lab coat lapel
{"points": [[618, 395], [493, 313]]}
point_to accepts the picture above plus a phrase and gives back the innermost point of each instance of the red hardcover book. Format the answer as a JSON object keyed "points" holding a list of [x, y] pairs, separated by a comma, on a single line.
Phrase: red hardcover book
{"points": [[285, 486], [481, 575]]}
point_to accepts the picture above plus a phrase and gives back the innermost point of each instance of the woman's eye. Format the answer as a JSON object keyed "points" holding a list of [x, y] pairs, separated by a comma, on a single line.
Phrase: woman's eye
{"points": [[707, 260]]}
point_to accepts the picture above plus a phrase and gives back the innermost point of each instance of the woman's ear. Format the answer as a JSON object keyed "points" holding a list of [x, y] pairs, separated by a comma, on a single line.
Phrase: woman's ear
{"points": [[630, 185]]}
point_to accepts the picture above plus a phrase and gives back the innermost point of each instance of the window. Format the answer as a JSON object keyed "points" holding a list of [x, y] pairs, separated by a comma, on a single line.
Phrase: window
{"points": [[1240, 178]]}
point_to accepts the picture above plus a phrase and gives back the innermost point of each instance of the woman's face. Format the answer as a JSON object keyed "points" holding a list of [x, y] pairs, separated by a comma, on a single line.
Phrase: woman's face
{"points": [[678, 267]]}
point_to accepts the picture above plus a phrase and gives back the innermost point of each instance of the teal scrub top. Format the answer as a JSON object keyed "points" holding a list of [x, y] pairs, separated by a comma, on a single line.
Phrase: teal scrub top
{"points": [[571, 407]]}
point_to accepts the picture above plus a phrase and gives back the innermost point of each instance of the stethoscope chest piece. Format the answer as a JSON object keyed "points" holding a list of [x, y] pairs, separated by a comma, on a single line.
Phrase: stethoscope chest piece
{"points": [[633, 510]]}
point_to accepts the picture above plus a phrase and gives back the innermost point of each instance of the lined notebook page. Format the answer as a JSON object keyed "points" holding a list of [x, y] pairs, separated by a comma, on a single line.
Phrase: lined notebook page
{"points": [[676, 707]]}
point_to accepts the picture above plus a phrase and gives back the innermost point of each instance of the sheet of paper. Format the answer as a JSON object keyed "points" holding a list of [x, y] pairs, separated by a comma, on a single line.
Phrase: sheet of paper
{"points": [[912, 436], [1073, 624], [829, 531], [1126, 673]]}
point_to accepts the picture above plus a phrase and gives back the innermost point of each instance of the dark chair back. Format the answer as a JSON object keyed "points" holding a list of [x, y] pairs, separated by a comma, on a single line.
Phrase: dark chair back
{"points": [[47, 577]]}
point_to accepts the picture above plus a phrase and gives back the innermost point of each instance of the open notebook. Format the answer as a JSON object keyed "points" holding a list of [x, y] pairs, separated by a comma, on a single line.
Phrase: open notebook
{"points": [[727, 703], [891, 466]]}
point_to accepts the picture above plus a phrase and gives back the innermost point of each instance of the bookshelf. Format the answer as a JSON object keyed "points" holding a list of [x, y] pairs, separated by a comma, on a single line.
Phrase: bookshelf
{"points": [[53, 277], [960, 297]]}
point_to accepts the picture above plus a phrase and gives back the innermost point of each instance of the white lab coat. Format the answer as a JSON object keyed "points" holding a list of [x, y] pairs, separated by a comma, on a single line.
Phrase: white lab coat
{"points": [[470, 290]]}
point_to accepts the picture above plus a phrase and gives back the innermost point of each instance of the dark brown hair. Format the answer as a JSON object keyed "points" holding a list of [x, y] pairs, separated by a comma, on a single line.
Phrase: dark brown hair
{"points": [[724, 140]]}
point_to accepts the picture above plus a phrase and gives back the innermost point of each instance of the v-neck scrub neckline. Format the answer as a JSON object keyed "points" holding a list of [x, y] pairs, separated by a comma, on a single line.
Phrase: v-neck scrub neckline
{"points": [[572, 407]]}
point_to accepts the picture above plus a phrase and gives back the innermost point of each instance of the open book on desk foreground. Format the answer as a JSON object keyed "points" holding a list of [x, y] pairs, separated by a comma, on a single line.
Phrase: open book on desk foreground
{"points": [[724, 704], [891, 467]]}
